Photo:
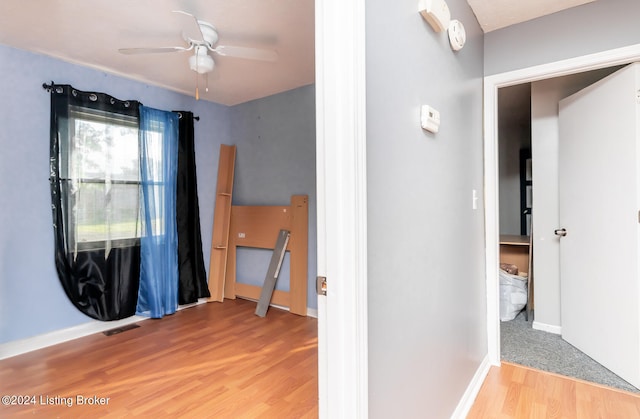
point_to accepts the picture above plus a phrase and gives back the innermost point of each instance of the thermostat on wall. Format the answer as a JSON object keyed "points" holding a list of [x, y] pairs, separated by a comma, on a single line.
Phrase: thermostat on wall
{"points": [[429, 119]]}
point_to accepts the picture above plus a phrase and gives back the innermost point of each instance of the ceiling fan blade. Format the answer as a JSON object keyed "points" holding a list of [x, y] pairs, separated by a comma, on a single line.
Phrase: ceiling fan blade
{"points": [[132, 51], [184, 13], [244, 52], [195, 19]]}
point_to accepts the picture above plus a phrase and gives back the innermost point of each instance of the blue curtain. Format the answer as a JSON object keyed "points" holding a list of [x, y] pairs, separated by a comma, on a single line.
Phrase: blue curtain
{"points": [[158, 292]]}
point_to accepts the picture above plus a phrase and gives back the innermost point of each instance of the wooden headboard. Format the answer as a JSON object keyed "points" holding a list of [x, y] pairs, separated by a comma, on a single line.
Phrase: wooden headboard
{"points": [[258, 227]]}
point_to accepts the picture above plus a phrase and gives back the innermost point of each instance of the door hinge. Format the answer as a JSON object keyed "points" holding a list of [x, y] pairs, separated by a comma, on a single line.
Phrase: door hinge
{"points": [[321, 285]]}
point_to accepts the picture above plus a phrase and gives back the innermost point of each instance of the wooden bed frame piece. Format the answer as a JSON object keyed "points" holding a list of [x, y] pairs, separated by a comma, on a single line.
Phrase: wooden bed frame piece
{"points": [[258, 227], [221, 219]]}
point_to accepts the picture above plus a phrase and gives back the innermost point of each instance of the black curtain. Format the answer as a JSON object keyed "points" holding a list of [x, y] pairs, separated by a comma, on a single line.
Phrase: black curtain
{"points": [[192, 282], [101, 282]]}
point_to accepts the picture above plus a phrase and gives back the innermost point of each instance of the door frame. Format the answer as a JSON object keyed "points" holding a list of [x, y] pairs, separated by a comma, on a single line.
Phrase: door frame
{"points": [[341, 181], [492, 83]]}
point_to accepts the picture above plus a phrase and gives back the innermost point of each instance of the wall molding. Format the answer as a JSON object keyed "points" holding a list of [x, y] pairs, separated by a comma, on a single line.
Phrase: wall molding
{"points": [[22, 346], [341, 185], [470, 394], [556, 330]]}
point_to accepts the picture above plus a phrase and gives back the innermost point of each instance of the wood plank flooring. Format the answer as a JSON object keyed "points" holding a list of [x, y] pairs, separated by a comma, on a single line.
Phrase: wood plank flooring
{"points": [[221, 361], [212, 360], [514, 391]]}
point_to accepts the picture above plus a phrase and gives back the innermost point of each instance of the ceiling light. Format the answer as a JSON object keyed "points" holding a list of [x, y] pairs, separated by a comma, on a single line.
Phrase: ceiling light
{"points": [[201, 62]]}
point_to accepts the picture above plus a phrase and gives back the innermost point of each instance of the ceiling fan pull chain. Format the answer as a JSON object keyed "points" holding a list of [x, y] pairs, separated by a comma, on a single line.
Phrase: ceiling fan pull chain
{"points": [[197, 92]]}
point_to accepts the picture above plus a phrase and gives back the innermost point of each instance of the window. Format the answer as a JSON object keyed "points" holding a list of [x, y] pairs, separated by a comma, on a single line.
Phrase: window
{"points": [[114, 177], [100, 174]]}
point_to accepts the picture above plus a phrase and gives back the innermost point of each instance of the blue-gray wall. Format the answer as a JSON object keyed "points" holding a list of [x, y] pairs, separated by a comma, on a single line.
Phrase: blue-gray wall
{"points": [[593, 27], [276, 159], [427, 301], [32, 301]]}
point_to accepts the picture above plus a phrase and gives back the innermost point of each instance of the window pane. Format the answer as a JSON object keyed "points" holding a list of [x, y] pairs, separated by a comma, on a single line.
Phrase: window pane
{"points": [[104, 150], [106, 212], [103, 196]]}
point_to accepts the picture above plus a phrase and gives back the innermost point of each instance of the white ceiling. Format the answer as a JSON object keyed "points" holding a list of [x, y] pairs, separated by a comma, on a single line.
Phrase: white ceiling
{"points": [[90, 33], [496, 14]]}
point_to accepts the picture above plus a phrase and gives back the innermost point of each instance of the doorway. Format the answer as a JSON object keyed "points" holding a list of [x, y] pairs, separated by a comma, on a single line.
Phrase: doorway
{"points": [[492, 203], [528, 121]]}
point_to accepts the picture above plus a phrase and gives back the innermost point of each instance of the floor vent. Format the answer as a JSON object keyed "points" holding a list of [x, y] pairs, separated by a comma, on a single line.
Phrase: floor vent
{"points": [[120, 329]]}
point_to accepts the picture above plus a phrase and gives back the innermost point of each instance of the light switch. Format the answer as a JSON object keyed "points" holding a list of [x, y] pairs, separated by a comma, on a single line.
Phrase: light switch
{"points": [[429, 119]]}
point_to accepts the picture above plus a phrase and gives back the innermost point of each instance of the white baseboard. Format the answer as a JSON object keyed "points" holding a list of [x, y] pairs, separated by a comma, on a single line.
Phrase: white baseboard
{"points": [[311, 312], [557, 330], [19, 347], [469, 396], [22, 346]]}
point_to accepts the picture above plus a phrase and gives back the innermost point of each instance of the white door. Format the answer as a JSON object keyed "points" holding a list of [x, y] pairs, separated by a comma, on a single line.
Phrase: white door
{"points": [[598, 184]]}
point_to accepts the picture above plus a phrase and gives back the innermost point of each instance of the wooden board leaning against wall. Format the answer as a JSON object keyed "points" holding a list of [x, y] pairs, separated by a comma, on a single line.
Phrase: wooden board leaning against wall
{"points": [[221, 221]]}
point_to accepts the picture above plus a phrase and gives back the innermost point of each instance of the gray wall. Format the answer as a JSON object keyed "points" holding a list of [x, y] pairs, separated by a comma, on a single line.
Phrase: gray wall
{"points": [[276, 158], [426, 284], [594, 27]]}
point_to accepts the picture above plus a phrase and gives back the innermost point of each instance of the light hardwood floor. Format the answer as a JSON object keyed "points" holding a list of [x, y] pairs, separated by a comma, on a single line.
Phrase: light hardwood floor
{"points": [[514, 391], [212, 360], [221, 361]]}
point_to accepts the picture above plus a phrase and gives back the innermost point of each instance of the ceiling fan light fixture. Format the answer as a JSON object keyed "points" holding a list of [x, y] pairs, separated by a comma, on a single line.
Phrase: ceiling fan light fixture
{"points": [[201, 63]]}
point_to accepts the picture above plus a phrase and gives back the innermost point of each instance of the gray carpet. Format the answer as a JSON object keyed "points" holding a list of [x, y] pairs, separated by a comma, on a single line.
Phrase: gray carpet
{"points": [[523, 345]]}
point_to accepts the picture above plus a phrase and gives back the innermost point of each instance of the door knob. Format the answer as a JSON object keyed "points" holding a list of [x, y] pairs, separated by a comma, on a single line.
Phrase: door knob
{"points": [[560, 232]]}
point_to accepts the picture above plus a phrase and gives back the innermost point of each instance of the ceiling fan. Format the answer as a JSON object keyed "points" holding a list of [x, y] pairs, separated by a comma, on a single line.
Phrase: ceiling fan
{"points": [[201, 62]]}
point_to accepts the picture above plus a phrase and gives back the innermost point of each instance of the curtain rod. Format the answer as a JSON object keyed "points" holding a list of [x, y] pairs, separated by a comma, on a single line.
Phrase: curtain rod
{"points": [[49, 88], [197, 118]]}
